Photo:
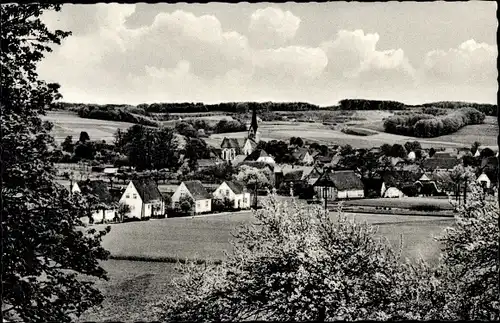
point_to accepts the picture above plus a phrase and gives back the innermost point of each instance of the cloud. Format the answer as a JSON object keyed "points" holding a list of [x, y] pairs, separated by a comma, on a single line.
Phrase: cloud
{"points": [[353, 55], [272, 27], [471, 63]]}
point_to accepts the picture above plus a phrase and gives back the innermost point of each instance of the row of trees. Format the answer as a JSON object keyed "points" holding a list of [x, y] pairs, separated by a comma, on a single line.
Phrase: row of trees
{"points": [[360, 104], [114, 114], [487, 109], [232, 107], [428, 125]]}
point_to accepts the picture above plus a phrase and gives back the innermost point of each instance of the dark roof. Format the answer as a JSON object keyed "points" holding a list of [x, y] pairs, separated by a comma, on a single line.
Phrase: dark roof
{"points": [[97, 188], [324, 159], [206, 162], [400, 178], [300, 153], [489, 162], [428, 188], [197, 190], [293, 176], [442, 154], [235, 143], [442, 163], [236, 187], [147, 189], [342, 180], [256, 154]]}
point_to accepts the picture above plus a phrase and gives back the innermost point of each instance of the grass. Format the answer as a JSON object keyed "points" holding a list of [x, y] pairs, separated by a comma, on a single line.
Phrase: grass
{"points": [[404, 202], [136, 285]]}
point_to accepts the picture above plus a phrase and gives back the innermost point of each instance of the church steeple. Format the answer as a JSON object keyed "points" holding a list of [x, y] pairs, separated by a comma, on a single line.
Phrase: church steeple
{"points": [[252, 131]]}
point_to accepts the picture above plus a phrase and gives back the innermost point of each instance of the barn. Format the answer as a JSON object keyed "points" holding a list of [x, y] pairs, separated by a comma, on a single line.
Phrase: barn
{"points": [[335, 185]]}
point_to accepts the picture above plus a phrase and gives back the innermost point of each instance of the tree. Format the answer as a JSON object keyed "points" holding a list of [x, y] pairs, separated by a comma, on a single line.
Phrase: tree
{"points": [[346, 150], [84, 136], [196, 149], [469, 266], [123, 210], [432, 151], [43, 247], [412, 146], [475, 146], [487, 152], [67, 145], [398, 150], [297, 263], [186, 206], [386, 149]]}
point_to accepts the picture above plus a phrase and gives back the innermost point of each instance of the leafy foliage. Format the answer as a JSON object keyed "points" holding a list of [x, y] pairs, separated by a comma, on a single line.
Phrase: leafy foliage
{"points": [[45, 248]]}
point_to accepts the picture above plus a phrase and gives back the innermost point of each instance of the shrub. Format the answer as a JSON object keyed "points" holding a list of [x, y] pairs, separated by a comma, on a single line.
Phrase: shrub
{"points": [[358, 132], [425, 207]]}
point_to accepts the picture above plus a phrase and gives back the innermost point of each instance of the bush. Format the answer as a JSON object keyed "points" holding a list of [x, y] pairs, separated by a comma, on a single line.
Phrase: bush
{"points": [[358, 132], [425, 208]]}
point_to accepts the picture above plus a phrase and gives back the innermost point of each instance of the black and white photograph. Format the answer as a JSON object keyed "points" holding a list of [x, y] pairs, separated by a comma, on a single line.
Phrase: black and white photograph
{"points": [[262, 161]]}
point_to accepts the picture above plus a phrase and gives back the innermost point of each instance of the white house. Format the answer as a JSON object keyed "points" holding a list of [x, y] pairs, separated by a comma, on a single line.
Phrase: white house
{"points": [[260, 156], [104, 209], [234, 191], [200, 196], [483, 179], [249, 146], [390, 191], [144, 199], [232, 147], [412, 155], [339, 185], [303, 156]]}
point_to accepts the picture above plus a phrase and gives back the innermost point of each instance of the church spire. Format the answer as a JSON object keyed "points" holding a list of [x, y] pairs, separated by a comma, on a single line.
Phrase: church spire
{"points": [[252, 131]]}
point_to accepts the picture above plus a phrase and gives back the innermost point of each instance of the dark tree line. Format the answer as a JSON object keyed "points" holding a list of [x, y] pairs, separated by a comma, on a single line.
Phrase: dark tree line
{"points": [[428, 125], [360, 104]]}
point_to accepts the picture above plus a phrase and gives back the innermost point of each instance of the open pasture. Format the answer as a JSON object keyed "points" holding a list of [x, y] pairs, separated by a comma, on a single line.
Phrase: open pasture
{"points": [[136, 285], [403, 202], [68, 123], [208, 237]]}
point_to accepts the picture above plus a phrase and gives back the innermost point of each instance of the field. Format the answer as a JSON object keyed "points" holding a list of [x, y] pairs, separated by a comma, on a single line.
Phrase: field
{"points": [[68, 123], [135, 285], [404, 202]]}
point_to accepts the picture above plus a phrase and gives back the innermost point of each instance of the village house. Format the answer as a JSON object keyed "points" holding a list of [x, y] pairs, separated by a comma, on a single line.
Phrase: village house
{"points": [[104, 207], [436, 183], [144, 199], [339, 185], [484, 180], [232, 147], [303, 156], [198, 193], [206, 163], [443, 162], [235, 192], [260, 156], [294, 174]]}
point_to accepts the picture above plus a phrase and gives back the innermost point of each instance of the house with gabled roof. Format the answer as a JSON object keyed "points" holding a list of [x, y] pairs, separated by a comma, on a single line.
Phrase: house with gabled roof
{"points": [[440, 163], [103, 204], [303, 156], [232, 147], [335, 185], [260, 156], [234, 191], [198, 193], [484, 180], [144, 199], [436, 183]]}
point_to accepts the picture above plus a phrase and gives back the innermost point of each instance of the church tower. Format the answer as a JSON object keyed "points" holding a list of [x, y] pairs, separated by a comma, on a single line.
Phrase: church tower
{"points": [[252, 131]]}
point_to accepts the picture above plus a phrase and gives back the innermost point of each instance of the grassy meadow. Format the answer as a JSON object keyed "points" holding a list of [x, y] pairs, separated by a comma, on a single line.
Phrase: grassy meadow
{"points": [[136, 285], [68, 123]]}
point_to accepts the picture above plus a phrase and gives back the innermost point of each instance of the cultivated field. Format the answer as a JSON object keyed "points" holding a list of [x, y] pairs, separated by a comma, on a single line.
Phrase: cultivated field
{"points": [[68, 123], [136, 285]]}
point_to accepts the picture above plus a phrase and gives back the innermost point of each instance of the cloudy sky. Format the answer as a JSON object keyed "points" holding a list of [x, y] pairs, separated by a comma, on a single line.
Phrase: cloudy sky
{"points": [[313, 52]]}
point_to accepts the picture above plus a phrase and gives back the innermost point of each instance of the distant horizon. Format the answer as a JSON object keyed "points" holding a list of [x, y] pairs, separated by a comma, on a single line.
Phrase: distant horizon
{"points": [[323, 106]]}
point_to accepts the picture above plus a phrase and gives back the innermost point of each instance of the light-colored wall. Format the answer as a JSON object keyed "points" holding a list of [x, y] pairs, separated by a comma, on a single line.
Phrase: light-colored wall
{"points": [[228, 154], [180, 191], [393, 192], [247, 149], [350, 194], [203, 206], [132, 198], [308, 159], [331, 192], [267, 159], [240, 200], [485, 179]]}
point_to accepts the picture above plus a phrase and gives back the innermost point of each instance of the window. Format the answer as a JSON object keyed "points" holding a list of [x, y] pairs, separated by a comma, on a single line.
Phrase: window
{"points": [[245, 200], [127, 196], [149, 206], [197, 204], [135, 196], [227, 192], [206, 203]]}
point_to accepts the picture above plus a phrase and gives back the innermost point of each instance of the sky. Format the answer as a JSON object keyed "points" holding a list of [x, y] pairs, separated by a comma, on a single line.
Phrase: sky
{"points": [[311, 52]]}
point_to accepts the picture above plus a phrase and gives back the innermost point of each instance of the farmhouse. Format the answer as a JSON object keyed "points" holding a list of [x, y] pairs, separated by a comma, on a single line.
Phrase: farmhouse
{"points": [[484, 180], [144, 199], [303, 156], [103, 208], [195, 190], [440, 163], [437, 183], [260, 156], [235, 192], [339, 185], [411, 155]]}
